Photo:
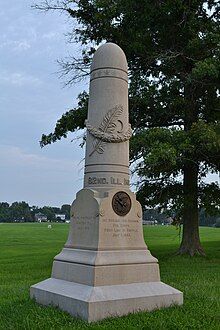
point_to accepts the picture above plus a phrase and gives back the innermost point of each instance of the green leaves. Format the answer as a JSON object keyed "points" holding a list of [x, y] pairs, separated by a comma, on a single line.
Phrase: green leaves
{"points": [[209, 68], [209, 198], [161, 155], [205, 139], [157, 150], [164, 150]]}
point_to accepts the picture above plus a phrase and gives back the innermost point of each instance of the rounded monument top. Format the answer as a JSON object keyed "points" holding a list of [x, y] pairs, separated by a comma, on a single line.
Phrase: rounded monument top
{"points": [[109, 55]]}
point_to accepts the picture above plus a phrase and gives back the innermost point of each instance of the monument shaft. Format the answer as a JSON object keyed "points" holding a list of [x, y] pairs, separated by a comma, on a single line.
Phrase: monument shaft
{"points": [[105, 268], [108, 129]]}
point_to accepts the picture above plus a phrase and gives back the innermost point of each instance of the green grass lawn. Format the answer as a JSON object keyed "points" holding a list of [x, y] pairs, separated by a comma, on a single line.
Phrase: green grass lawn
{"points": [[26, 254]]}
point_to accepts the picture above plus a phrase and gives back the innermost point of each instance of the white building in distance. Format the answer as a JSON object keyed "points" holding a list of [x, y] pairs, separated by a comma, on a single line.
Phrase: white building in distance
{"points": [[60, 216]]}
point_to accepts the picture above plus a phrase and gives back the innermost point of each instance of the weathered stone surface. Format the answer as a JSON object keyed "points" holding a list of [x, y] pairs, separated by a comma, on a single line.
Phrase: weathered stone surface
{"points": [[105, 268], [93, 303], [95, 225], [106, 163], [106, 274]]}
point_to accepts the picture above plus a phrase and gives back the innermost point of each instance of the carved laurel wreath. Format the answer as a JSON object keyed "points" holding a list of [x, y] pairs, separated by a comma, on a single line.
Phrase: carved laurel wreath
{"points": [[106, 131], [107, 137]]}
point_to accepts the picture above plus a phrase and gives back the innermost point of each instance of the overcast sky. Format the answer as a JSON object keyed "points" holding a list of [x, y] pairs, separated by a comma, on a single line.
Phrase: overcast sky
{"points": [[31, 100]]}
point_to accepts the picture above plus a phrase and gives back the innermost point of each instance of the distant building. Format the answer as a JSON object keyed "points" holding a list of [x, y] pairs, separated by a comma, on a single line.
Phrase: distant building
{"points": [[40, 217], [60, 217], [149, 222], [167, 221]]}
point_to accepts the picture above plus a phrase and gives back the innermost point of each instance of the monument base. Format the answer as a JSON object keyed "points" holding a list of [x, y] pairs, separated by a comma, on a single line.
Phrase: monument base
{"points": [[94, 303]]}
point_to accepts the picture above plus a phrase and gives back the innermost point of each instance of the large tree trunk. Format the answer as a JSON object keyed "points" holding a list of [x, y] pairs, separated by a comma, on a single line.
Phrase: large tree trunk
{"points": [[190, 240]]}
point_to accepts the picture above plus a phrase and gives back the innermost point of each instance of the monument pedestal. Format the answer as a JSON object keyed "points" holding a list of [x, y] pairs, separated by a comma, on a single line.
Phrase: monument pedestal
{"points": [[105, 268], [94, 303]]}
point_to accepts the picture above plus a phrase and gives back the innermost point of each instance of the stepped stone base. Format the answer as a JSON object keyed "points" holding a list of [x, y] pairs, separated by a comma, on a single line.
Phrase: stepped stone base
{"points": [[93, 303]]}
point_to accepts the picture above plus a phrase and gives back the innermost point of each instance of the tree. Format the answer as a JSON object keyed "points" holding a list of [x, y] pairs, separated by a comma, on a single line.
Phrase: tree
{"points": [[65, 209], [20, 211], [207, 220], [49, 212], [4, 212], [173, 52], [152, 215]]}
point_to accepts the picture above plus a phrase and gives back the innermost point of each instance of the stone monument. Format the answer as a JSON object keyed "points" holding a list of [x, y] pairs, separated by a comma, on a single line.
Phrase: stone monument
{"points": [[105, 268]]}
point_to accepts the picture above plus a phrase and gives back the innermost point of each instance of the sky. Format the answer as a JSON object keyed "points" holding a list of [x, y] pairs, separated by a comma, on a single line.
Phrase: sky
{"points": [[32, 98]]}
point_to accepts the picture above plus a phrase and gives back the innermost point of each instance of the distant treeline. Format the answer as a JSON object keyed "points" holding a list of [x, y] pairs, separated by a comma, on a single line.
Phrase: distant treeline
{"points": [[204, 219], [22, 212]]}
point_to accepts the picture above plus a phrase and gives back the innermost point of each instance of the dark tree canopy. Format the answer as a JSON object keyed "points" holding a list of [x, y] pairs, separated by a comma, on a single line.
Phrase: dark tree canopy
{"points": [[173, 56], [22, 212]]}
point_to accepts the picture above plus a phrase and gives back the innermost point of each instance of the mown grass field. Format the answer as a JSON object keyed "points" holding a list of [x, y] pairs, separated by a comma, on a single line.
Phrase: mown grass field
{"points": [[26, 254]]}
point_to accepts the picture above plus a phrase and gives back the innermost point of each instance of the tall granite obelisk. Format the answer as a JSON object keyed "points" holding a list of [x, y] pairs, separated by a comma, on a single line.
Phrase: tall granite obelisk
{"points": [[105, 268]]}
